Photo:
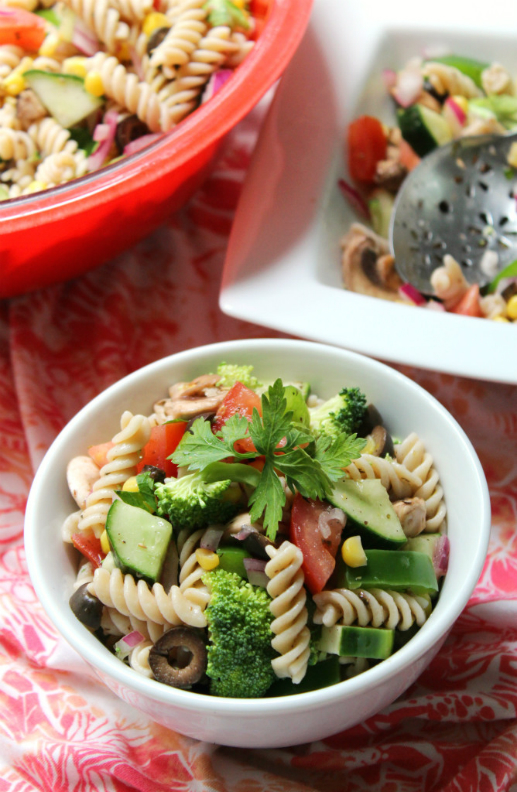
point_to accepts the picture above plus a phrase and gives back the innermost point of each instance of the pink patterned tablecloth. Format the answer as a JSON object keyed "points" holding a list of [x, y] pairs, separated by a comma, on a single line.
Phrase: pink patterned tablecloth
{"points": [[60, 729]]}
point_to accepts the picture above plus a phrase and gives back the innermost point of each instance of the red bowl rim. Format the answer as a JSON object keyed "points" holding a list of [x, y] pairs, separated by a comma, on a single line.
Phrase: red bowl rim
{"points": [[287, 20]]}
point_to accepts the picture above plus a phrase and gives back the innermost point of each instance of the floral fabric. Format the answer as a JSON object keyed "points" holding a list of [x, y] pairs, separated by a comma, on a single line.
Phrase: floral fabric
{"points": [[60, 729]]}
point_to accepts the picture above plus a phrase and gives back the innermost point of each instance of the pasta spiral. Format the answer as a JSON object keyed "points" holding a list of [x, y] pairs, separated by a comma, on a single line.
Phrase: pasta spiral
{"points": [[132, 10], [139, 659], [285, 587], [103, 19], [136, 600], [377, 607], [62, 167], [183, 37], [10, 57], [51, 138], [449, 80], [394, 476], [412, 454], [121, 465], [190, 583], [16, 145]]}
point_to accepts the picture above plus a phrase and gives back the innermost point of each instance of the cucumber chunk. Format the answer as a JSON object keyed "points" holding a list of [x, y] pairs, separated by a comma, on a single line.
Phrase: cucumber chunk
{"points": [[138, 539], [381, 208], [370, 642], [368, 507], [318, 676], [423, 129], [392, 569], [63, 95]]}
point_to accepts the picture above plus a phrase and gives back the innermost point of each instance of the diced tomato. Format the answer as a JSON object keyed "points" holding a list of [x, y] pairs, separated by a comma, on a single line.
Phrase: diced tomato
{"points": [[240, 400], [21, 28], [163, 442], [469, 303], [319, 553], [90, 547], [260, 10], [99, 453], [408, 156], [367, 145]]}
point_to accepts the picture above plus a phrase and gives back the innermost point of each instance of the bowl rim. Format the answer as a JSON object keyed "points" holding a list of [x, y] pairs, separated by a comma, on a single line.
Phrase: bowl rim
{"points": [[438, 625], [202, 128]]}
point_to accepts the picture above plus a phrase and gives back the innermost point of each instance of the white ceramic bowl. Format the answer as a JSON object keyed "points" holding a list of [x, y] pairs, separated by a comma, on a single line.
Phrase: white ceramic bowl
{"points": [[296, 719]]}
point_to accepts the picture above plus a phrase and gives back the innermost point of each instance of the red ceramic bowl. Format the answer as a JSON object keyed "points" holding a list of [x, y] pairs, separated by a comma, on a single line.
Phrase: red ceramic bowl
{"points": [[65, 231]]}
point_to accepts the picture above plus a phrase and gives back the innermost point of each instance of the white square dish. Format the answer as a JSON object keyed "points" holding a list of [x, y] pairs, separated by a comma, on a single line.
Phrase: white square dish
{"points": [[283, 266]]}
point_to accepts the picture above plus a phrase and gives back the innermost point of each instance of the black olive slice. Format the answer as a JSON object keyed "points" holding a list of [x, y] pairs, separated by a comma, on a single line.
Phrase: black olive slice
{"points": [[372, 418], [178, 658], [86, 607], [129, 129], [206, 416], [156, 38], [157, 474]]}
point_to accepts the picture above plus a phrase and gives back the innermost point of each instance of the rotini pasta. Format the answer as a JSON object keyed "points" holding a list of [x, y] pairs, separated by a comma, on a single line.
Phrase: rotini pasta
{"points": [[190, 583], [412, 454], [390, 609], [183, 37], [103, 18], [395, 477], [449, 80], [292, 636]]}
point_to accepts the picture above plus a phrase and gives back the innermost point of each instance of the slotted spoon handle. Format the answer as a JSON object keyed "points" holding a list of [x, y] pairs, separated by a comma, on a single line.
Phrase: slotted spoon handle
{"points": [[461, 199]]}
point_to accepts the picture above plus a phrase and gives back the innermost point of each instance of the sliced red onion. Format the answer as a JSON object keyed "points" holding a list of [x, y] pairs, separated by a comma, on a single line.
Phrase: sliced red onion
{"points": [[434, 305], [136, 60], [255, 570], [215, 83], [410, 293], [327, 517], [84, 39], [127, 643], [354, 198], [97, 159], [504, 283], [408, 88], [211, 539], [389, 78], [245, 531], [458, 111], [454, 115], [141, 143], [441, 556]]}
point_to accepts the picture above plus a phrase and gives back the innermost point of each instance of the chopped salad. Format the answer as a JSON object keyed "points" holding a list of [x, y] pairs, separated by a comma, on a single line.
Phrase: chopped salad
{"points": [[250, 539], [436, 100]]}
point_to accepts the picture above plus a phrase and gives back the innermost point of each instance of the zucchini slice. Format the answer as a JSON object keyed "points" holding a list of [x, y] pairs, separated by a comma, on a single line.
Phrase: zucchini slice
{"points": [[423, 129], [63, 95]]}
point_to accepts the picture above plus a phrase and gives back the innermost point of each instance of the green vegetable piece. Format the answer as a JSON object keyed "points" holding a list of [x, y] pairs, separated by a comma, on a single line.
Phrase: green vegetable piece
{"points": [[369, 509], [343, 413], [296, 403], [370, 642], [84, 140], [50, 15], [239, 630], [509, 272], [230, 373], [425, 543], [394, 569], [231, 559], [63, 95], [472, 68], [318, 676], [423, 129], [381, 208], [501, 107], [138, 539]]}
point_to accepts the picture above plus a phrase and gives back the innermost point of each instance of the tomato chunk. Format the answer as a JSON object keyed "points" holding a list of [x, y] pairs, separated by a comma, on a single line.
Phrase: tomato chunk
{"points": [[90, 547], [239, 400], [469, 303], [319, 552], [163, 442], [367, 145], [21, 28], [99, 453]]}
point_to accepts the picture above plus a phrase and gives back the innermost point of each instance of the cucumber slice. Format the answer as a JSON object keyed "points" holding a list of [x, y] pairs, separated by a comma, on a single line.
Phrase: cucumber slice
{"points": [[370, 642], [318, 676], [369, 509], [399, 570], [423, 129], [63, 95], [472, 68], [138, 539], [381, 208]]}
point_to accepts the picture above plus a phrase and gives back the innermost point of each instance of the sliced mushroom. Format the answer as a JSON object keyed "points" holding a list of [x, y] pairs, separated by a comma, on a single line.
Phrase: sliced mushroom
{"points": [[390, 173], [191, 399], [198, 386], [179, 658], [411, 513], [81, 475], [86, 607], [379, 442], [362, 249]]}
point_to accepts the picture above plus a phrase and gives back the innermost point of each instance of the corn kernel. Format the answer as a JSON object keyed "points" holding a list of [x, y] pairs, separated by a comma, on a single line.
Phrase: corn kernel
{"points": [[154, 21], [511, 307], [93, 84], [500, 318], [462, 102], [35, 186], [353, 553], [130, 485], [206, 559], [76, 66], [105, 545], [14, 84], [123, 51], [512, 156]]}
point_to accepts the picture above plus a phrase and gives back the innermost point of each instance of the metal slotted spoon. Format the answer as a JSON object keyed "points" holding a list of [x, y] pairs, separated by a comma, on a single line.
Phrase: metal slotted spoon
{"points": [[462, 200]]}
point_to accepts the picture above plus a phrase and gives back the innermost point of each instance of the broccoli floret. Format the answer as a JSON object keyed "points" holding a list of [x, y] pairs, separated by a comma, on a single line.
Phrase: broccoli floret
{"points": [[230, 373], [193, 502], [240, 651], [343, 413]]}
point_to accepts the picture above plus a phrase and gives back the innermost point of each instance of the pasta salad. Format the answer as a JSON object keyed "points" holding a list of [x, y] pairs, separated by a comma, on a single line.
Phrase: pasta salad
{"points": [[84, 82], [249, 539], [437, 100]]}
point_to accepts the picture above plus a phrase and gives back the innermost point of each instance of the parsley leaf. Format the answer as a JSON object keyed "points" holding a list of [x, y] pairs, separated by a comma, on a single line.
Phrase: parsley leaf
{"points": [[334, 455], [199, 447], [276, 422], [303, 473], [144, 498], [268, 499]]}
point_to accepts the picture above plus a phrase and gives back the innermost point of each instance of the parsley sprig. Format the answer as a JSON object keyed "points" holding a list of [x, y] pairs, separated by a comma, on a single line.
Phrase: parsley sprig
{"points": [[310, 466]]}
